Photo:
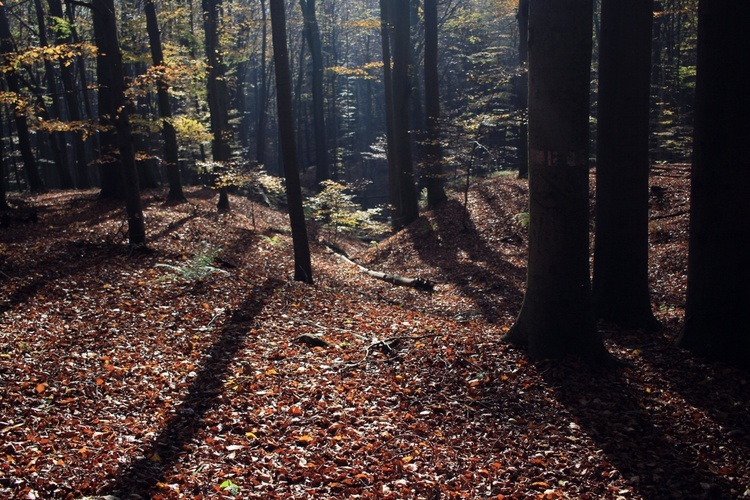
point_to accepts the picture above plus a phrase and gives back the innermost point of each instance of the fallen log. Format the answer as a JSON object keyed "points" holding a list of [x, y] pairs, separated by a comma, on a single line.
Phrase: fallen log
{"points": [[395, 279]]}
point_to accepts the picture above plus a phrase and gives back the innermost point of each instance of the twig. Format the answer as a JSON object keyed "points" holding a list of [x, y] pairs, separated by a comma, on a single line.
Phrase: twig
{"points": [[387, 346]]}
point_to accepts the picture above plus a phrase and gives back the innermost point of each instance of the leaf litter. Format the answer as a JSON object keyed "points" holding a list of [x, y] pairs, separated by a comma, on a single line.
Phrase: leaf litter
{"points": [[117, 383]]}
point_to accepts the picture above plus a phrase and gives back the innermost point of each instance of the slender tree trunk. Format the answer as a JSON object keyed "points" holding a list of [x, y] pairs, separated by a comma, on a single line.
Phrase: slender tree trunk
{"points": [[432, 147], [312, 34], [556, 318], [620, 284], [7, 46], [718, 296], [110, 57], [407, 210], [386, 29], [262, 101], [218, 97], [3, 197], [72, 104], [302, 262], [57, 140], [522, 88], [169, 134]]}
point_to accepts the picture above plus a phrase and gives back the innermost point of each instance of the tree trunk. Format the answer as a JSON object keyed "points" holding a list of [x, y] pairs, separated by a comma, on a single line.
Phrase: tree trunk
{"points": [[7, 46], [262, 102], [407, 209], [620, 284], [72, 105], [718, 296], [522, 88], [110, 58], [433, 150], [312, 33], [556, 318], [302, 263], [57, 140], [218, 97], [386, 29], [169, 134]]}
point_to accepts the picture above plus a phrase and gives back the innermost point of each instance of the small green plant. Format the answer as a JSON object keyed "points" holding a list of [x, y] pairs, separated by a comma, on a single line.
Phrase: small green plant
{"points": [[197, 268], [230, 487], [336, 208], [522, 219]]}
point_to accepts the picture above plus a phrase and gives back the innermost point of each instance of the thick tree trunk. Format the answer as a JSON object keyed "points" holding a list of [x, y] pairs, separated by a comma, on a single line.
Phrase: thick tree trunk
{"points": [[620, 284], [312, 34], [718, 295], [110, 57], [218, 97], [433, 151], [7, 46], [262, 101], [302, 262], [169, 134], [556, 318], [386, 29], [407, 209], [522, 88]]}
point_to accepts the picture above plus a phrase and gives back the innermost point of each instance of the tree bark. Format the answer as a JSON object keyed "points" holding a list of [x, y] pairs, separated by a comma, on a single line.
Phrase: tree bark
{"points": [[218, 97], [262, 101], [522, 88], [7, 46], [433, 150], [386, 29], [718, 296], [407, 209], [171, 155], [620, 284], [110, 59], [556, 318], [302, 262], [72, 105], [312, 34], [57, 140]]}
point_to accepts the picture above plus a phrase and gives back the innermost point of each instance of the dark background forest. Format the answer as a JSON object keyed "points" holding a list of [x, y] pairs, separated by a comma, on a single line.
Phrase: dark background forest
{"points": [[373, 249]]}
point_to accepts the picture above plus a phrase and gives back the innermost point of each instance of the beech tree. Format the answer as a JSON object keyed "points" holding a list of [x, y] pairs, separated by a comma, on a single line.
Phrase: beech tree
{"points": [[556, 317], [433, 150], [302, 262], [218, 97], [718, 295], [165, 108], [7, 48], [620, 283], [110, 57], [312, 34]]}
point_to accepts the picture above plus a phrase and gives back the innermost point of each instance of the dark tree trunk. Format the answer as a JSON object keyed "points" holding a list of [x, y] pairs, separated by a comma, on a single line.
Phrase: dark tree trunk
{"points": [[620, 284], [522, 88], [171, 152], [432, 148], [556, 318], [407, 209], [302, 263], [72, 105], [110, 59], [262, 101], [57, 140], [7, 46], [3, 197], [386, 29], [218, 96], [312, 34], [718, 295]]}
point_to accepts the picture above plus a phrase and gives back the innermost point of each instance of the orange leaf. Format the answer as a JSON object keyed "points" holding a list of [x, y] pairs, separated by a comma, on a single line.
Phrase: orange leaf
{"points": [[40, 388]]}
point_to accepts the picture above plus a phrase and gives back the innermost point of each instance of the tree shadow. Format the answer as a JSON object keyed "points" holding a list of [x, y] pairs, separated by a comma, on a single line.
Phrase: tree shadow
{"points": [[451, 242], [166, 449], [644, 450]]}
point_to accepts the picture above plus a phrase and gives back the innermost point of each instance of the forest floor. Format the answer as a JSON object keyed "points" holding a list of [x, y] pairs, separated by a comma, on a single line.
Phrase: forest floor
{"points": [[117, 380]]}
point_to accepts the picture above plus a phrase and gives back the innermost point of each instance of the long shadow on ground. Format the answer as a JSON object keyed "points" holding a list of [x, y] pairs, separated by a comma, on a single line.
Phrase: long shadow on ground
{"points": [[483, 273], [639, 445], [144, 474]]}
